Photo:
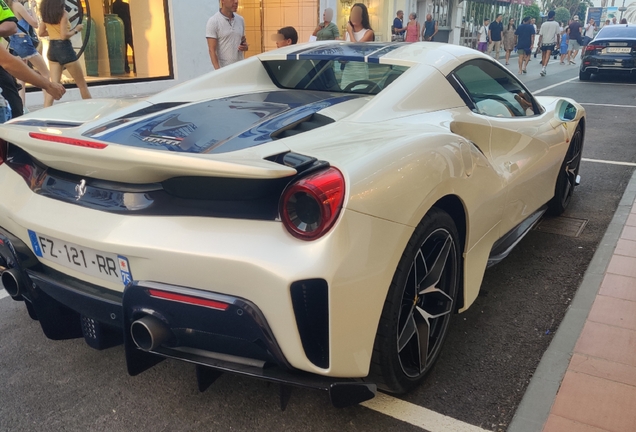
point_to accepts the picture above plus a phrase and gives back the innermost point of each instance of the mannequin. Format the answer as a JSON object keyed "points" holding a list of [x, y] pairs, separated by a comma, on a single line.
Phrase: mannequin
{"points": [[122, 10]]}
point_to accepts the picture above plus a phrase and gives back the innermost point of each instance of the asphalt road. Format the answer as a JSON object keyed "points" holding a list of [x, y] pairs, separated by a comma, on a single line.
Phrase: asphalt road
{"points": [[487, 362]]}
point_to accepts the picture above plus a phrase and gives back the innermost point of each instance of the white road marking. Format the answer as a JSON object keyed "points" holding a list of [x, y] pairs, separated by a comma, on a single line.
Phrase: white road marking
{"points": [[3, 294], [553, 85], [608, 105], [632, 164], [605, 83], [417, 415]]}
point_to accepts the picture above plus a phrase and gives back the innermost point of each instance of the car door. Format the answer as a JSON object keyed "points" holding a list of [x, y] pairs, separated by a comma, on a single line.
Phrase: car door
{"points": [[523, 141]]}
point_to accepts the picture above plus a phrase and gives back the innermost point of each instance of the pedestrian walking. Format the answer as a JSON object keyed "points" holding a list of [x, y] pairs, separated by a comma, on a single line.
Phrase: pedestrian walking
{"points": [[525, 41], [11, 67], [22, 44], [575, 39], [430, 29], [564, 46], [225, 33], [412, 29], [56, 25], [483, 36], [549, 38], [509, 38], [533, 21], [327, 30], [495, 33]]}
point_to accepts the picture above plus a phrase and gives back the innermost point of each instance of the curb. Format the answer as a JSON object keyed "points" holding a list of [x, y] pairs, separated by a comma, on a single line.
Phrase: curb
{"points": [[534, 409]]}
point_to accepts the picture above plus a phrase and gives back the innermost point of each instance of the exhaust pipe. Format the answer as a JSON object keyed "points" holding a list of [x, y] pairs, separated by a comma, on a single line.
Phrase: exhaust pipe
{"points": [[149, 333], [11, 282]]}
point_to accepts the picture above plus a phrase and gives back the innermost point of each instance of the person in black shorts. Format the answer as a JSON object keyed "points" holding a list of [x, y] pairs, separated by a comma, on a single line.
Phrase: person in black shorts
{"points": [[8, 27], [61, 55], [524, 42]]}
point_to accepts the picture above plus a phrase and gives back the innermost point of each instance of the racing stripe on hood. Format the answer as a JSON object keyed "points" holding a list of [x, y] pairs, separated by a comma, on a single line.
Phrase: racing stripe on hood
{"points": [[222, 125], [361, 52]]}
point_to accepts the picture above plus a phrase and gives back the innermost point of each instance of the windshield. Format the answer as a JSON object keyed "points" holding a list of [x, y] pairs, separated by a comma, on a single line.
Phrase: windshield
{"points": [[333, 75], [619, 32]]}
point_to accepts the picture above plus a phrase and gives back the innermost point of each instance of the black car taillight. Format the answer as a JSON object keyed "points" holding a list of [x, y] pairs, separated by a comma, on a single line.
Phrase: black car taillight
{"points": [[3, 151], [593, 48], [310, 206]]}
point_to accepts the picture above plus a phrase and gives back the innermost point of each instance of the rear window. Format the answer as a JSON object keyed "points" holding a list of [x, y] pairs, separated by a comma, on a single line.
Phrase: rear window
{"points": [[333, 75], [614, 31]]}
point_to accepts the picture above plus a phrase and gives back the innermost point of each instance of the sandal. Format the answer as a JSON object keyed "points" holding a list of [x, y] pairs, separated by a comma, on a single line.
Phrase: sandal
{"points": [[507, 63], [524, 71]]}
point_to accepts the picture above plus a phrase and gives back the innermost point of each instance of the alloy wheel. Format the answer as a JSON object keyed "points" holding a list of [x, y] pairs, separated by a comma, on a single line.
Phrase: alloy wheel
{"points": [[427, 303]]}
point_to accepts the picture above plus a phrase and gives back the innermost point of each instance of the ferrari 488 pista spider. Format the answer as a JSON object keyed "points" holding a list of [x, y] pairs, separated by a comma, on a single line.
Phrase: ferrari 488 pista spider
{"points": [[312, 216]]}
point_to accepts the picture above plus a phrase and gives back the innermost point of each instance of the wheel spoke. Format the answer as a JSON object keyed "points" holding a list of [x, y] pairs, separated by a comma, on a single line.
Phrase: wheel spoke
{"points": [[409, 330], [423, 330], [434, 275]]}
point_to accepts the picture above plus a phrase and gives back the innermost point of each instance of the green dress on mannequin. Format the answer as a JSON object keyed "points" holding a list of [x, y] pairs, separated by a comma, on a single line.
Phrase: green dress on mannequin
{"points": [[116, 43]]}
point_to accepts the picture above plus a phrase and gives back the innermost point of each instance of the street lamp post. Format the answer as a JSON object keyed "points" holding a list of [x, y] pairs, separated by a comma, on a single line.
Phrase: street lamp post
{"points": [[622, 9]]}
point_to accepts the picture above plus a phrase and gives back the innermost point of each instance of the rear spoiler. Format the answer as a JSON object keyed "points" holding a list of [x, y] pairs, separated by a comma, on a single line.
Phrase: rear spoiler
{"points": [[73, 153]]}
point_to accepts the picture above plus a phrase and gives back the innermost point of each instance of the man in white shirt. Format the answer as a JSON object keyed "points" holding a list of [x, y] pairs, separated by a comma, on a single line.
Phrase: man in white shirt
{"points": [[549, 37], [483, 36], [225, 33], [588, 34]]}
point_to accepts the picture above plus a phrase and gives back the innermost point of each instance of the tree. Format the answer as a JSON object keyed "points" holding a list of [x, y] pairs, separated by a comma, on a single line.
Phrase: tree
{"points": [[533, 12], [582, 10], [562, 15]]}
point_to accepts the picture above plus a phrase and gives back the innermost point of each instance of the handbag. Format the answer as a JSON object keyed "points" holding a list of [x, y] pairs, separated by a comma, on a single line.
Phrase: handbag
{"points": [[31, 34]]}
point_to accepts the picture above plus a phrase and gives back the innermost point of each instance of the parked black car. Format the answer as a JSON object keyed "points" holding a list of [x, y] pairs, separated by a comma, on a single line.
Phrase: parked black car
{"points": [[613, 50]]}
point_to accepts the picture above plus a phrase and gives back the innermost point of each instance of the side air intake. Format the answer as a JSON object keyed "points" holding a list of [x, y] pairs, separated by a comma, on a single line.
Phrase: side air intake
{"points": [[311, 308]]}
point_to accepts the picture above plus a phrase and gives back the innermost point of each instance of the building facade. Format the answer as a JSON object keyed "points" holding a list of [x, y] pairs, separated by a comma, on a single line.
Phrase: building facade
{"points": [[164, 40]]}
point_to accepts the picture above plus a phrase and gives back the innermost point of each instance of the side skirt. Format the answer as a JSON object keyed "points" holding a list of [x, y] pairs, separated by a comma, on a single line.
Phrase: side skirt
{"points": [[502, 247]]}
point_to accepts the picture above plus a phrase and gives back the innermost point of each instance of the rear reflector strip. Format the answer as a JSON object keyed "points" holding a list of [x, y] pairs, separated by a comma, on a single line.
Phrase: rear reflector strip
{"points": [[188, 299], [66, 140]]}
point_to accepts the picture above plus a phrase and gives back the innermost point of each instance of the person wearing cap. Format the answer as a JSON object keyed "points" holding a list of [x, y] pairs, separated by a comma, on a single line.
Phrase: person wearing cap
{"points": [[286, 36], [548, 39], [574, 32]]}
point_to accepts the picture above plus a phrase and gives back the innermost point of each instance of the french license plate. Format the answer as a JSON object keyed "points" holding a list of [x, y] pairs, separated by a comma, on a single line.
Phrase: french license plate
{"points": [[616, 50], [103, 265]]}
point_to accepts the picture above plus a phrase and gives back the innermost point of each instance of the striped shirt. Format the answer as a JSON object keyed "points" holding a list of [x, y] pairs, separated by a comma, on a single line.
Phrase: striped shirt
{"points": [[228, 32]]}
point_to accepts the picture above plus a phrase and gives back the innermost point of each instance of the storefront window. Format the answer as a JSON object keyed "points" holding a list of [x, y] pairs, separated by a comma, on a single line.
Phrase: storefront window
{"points": [[263, 18], [121, 40]]}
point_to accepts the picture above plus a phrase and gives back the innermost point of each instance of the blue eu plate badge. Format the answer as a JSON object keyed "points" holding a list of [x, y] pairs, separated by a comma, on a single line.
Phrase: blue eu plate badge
{"points": [[124, 270]]}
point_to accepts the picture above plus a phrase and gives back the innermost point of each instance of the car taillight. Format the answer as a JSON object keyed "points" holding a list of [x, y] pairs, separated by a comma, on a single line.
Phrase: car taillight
{"points": [[310, 206], [593, 47], [67, 140], [3, 151]]}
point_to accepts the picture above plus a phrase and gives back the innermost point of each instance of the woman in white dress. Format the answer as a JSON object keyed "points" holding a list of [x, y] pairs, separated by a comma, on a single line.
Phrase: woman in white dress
{"points": [[358, 30]]}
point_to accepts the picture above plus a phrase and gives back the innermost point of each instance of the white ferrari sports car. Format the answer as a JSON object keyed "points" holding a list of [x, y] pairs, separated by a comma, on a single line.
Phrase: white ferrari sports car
{"points": [[312, 216]]}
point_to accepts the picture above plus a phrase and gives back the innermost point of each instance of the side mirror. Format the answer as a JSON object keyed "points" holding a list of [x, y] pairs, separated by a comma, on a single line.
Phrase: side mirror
{"points": [[567, 111]]}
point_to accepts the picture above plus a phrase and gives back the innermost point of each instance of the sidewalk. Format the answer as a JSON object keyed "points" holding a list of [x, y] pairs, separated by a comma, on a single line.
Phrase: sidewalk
{"points": [[586, 380]]}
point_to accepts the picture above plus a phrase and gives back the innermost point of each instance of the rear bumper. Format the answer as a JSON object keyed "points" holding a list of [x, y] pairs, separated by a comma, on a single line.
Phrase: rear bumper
{"points": [[599, 64], [219, 334]]}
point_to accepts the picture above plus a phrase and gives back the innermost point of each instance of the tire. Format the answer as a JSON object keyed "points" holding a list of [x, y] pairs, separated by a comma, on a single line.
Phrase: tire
{"points": [[399, 364], [566, 180], [585, 76]]}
